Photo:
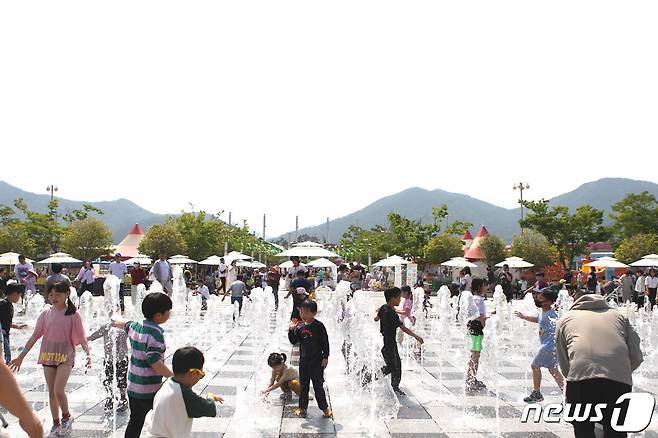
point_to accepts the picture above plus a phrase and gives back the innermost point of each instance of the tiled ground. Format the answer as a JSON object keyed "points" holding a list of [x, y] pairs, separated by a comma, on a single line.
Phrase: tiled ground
{"points": [[435, 405]]}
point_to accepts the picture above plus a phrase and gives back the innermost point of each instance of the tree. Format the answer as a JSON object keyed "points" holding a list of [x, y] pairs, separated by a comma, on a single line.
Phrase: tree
{"points": [[42, 228], [442, 248], [534, 248], [14, 238], [87, 239], [637, 213], [568, 233], [203, 237], [162, 238], [457, 228], [78, 215], [493, 248], [635, 247]]}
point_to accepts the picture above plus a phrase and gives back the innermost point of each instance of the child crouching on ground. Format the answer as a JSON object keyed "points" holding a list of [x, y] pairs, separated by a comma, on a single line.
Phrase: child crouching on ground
{"points": [[313, 356], [284, 376], [176, 405]]}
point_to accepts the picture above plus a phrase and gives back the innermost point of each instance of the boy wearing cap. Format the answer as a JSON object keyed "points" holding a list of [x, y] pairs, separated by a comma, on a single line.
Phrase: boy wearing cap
{"points": [[119, 270], [176, 405]]}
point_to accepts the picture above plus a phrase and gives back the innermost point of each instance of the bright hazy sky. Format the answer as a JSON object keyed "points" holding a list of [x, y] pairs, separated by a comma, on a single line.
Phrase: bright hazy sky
{"points": [[229, 105]]}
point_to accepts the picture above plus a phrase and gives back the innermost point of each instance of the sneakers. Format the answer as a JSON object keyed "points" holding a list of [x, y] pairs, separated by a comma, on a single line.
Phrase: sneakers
{"points": [[66, 427], [399, 392], [327, 413], [286, 396], [54, 432], [109, 404], [475, 385], [299, 412], [123, 405], [534, 397]]}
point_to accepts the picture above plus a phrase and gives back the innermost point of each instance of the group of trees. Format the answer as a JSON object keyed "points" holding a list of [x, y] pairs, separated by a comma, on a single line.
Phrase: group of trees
{"points": [[83, 235], [552, 234], [199, 235], [35, 233]]}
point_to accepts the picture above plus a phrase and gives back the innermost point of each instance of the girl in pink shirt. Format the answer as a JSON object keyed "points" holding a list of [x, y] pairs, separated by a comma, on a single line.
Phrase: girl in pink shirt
{"points": [[62, 330]]}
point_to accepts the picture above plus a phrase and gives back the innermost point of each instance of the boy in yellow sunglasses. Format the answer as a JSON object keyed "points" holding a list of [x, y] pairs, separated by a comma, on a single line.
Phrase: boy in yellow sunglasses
{"points": [[176, 405]]}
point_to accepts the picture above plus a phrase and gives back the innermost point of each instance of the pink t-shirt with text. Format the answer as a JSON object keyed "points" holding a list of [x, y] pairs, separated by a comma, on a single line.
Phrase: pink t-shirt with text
{"points": [[61, 334]]}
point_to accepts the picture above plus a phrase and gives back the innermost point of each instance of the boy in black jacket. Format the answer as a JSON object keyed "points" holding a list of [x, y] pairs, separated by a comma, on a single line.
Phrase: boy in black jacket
{"points": [[313, 356], [389, 323]]}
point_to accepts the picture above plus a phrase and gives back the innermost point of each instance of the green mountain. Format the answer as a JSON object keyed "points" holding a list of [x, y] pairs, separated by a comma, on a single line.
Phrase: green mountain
{"points": [[119, 215], [417, 203]]}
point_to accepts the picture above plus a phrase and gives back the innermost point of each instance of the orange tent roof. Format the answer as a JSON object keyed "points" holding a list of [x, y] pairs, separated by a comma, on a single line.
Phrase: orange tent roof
{"points": [[128, 246], [474, 252], [467, 235]]}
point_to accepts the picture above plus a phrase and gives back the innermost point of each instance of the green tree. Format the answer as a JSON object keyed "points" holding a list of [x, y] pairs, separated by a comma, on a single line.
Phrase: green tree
{"points": [[203, 237], [442, 248], [78, 215], [14, 238], [493, 248], [534, 248], [87, 239], [162, 238], [637, 213], [457, 228], [635, 247], [42, 228], [569, 233]]}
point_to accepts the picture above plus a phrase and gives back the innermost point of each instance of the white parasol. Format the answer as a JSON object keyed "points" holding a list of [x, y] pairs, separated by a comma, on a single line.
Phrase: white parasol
{"points": [[139, 258], [307, 251], [515, 262], [213, 260], [459, 262], [646, 262], [288, 265], [179, 259], [606, 262], [59, 257], [322, 263], [11, 258]]}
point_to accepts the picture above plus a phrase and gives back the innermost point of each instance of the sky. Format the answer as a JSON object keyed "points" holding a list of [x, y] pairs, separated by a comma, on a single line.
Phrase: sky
{"points": [[317, 109]]}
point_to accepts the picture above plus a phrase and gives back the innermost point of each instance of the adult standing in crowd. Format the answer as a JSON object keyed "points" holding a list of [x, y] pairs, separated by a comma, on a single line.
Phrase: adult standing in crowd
{"points": [[22, 271], [3, 280], [598, 350], [86, 278], [137, 276], [626, 281], [272, 279], [119, 270], [222, 269], [163, 273], [56, 277], [651, 283], [465, 279], [592, 281], [640, 288], [505, 280]]}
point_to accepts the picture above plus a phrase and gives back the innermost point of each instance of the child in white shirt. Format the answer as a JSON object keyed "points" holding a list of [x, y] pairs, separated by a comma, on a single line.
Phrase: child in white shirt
{"points": [[284, 376]]}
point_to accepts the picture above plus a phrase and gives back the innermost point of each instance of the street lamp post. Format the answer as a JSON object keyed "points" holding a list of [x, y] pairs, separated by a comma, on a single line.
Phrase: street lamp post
{"points": [[521, 187], [52, 189]]}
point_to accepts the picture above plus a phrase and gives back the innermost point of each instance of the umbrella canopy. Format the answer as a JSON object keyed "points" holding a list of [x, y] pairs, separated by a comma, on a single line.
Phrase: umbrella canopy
{"points": [[59, 257], [288, 265], [139, 258], [235, 255], [248, 264], [213, 260], [307, 251], [459, 262], [606, 262], [515, 262], [322, 263], [181, 260], [393, 260], [646, 261], [308, 243], [11, 258]]}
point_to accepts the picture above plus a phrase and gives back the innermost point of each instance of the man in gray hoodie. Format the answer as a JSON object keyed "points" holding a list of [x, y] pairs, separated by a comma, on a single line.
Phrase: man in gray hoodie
{"points": [[598, 349]]}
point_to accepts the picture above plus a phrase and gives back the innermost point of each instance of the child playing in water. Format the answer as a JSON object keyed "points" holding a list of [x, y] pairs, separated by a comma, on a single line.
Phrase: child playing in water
{"points": [[62, 330], [313, 356], [284, 376], [175, 405], [115, 346], [405, 313], [475, 328], [202, 289], [546, 356]]}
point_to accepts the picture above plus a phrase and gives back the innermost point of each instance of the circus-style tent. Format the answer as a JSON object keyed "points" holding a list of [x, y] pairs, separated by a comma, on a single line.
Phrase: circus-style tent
{"points": [[474, 252], [128, 246]]}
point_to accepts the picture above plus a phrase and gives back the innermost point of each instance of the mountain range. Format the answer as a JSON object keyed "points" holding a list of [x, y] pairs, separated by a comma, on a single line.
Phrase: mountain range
{"points": [[120, 215], [417, 203]]}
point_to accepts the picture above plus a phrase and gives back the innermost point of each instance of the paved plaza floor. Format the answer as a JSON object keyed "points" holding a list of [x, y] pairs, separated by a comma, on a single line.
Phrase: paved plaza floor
{"points": [[435, 404]]}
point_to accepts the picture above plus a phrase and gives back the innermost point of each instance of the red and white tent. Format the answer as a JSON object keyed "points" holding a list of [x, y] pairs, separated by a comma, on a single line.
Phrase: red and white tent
{"points": [[467, 239], [474, 252], [128, 246]]}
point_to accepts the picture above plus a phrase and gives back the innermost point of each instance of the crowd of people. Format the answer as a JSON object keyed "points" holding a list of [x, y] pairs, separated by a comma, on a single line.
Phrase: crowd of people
{"points": [[571, 350]]}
